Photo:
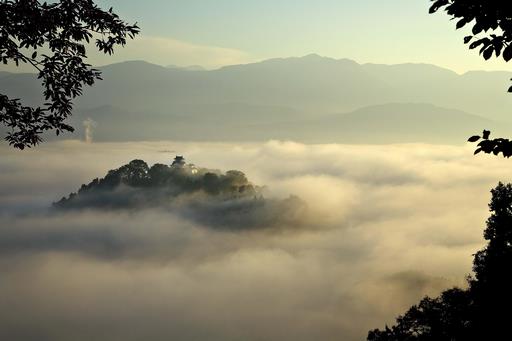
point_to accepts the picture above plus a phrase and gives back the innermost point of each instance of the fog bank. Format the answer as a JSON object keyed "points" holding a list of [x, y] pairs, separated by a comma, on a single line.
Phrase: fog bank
{"points": [[386, 225]]}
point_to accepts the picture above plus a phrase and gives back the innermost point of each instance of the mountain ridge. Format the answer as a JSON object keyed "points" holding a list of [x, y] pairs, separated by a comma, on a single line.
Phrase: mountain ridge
{"points": [[305, 57], [394, 122], [282, 92]]}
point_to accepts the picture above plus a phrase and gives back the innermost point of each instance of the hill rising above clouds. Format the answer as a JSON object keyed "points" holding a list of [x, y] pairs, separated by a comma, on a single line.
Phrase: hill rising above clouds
{"points": [[212, 198]]}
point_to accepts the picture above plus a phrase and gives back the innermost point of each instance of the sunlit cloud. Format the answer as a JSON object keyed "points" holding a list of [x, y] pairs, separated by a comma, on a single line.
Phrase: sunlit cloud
{"points": [[387, 224], [163, 51], [168, 51]]}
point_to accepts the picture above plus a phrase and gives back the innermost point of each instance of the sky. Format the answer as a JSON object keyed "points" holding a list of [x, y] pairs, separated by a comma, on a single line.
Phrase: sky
{"points": [[224, 32]]}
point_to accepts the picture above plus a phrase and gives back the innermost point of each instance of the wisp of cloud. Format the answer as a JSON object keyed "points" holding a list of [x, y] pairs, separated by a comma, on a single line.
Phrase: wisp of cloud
{"points": [[385, 225]]}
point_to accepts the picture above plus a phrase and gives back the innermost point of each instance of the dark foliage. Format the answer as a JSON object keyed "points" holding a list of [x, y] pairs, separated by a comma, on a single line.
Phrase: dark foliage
{"points": [[492, 283], [144, 186], [481, 312], [491, 22], [491, 28], [494, 146], [443, 318], [214, 199], [52, 37]]}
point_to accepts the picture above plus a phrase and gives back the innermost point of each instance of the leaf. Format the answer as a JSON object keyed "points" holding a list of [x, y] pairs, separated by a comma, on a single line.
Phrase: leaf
{"points": [[475, 44], [34, 55], [461, 23], [437, 5], [488, 53], [498, 46], [467, 39], [477, 151], [474, 138], [477, 28], [507, 53]]}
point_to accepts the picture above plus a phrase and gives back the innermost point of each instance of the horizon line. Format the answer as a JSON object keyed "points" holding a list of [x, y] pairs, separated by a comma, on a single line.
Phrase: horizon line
{"points": [[201, 68]]}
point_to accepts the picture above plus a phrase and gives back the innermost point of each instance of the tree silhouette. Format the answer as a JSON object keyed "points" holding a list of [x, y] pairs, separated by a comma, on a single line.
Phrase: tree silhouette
{"points": [[491, 28], [444, 318], [492, 284], [491, 22], [59, 30], [480, 312]]}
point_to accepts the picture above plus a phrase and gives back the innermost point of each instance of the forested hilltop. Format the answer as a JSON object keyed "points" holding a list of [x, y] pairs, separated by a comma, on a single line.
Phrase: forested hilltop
{"points": [[212, 197]]}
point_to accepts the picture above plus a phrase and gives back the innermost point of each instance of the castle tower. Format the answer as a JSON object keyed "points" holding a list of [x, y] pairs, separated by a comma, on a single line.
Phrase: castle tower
{"points": [[179, 161]]}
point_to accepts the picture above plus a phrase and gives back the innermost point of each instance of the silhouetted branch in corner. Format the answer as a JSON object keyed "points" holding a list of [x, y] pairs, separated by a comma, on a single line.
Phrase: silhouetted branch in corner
{"points": [[491, 33], [491, 25], [63, 28]]}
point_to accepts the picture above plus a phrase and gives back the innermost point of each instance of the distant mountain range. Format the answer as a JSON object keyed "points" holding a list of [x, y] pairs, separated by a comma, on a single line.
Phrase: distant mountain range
{"points": [[311, 99], [188, 68]]}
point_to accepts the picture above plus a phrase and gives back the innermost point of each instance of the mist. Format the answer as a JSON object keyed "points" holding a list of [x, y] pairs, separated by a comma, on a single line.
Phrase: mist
{"points": [[385, 225], [89, 126]]}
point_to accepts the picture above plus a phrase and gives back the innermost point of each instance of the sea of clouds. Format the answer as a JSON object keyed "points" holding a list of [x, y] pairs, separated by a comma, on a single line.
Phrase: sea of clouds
{"points": [[385, 225]]}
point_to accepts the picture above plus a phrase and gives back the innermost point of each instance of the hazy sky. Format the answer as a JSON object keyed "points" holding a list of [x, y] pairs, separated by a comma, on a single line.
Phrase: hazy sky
{"points": [[382, 225], [215, 33]]}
